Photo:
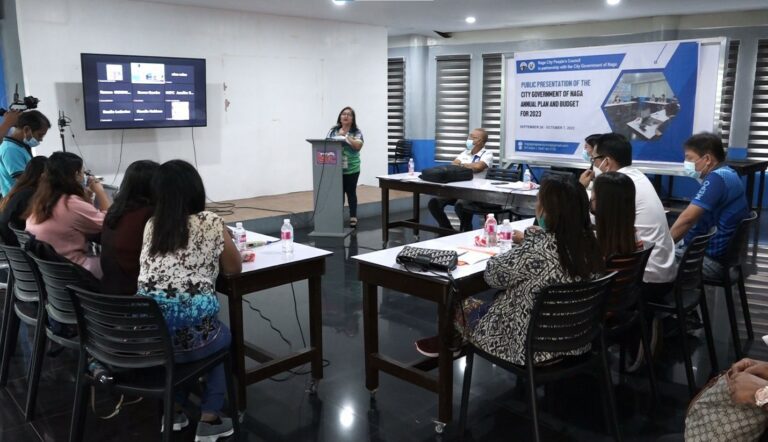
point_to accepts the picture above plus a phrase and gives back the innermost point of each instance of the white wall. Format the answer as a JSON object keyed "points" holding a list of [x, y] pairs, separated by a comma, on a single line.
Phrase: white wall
{"points": [[285, 78]]}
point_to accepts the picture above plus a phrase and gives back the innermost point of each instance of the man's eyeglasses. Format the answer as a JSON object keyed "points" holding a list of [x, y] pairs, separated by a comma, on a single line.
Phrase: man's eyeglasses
{"points": [[599, 157]]}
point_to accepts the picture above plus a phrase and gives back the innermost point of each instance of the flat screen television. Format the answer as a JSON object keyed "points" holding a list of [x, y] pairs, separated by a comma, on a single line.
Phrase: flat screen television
{"points": [[133, 92]]}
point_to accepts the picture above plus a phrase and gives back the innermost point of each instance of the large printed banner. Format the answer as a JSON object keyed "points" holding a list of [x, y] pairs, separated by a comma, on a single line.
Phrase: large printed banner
{"points": [[646, 92]]}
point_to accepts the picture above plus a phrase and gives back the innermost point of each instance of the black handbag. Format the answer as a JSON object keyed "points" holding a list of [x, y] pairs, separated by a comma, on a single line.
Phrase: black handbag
{"points": [[428, 259], [447, 174]]}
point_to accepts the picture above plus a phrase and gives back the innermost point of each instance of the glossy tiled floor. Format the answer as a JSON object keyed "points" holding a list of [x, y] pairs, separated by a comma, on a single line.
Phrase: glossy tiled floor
{"points": [[281, 410]]}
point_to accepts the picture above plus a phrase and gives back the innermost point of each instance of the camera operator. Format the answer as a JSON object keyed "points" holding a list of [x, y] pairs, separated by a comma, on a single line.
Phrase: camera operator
{"points": [[16, 149]]}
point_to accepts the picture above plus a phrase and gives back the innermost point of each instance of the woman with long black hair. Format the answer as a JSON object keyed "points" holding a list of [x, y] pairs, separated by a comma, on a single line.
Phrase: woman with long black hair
{"points": [[346, 126], [183, 250]]}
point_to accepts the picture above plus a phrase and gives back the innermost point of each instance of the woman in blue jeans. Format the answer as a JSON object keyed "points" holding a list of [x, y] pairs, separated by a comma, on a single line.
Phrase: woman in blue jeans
{"points": [[184, 247]]}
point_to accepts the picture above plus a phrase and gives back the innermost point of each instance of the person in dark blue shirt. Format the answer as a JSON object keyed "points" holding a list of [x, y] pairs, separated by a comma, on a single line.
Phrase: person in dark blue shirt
{"points": [[719, 202]]}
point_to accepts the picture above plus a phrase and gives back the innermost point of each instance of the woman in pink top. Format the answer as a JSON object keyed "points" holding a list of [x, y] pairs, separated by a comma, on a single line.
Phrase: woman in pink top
{"points": [[61, 213]]}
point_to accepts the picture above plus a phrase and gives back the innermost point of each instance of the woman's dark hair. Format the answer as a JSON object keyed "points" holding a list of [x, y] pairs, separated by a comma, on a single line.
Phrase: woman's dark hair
{"points": [[566, 213], [179, 193], [592, 139], [34, 119], [706, 143], [27, 180], [59, 179], [615, 213], [353, 127], [135, 191]]}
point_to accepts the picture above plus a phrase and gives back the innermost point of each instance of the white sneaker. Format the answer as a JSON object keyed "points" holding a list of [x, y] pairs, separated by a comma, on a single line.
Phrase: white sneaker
{"points": [[212, 432], [180, 421]]}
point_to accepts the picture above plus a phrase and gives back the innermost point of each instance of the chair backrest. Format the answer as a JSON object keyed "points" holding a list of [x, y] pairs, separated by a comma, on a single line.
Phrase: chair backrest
{"points": [[56, 277], [27, 285], [737, 246], [499, 174], [625, 290], [122, 331], [21, 235], [567, 317], [403, 149], [689, 267]]}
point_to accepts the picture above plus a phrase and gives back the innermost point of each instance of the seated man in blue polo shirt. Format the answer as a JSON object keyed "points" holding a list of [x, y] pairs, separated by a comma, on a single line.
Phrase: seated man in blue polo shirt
{"points": [[720, 201], [16, 149]]}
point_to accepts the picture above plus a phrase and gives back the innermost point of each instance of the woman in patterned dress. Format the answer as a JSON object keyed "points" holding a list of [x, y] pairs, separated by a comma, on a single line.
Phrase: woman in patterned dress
{"points": [[184, 248]]}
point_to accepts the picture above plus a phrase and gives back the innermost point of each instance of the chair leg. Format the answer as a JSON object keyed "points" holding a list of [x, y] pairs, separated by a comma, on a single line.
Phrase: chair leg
{"points": [[708, 333], [465, 392], [645, 341], [745, 306], [79, 409], [168, 413], [35, 367], [608, 395], [686, 355], [9, 346], [622, 357], [728, 286], [231, 397], [7, 312], [534, 406]]}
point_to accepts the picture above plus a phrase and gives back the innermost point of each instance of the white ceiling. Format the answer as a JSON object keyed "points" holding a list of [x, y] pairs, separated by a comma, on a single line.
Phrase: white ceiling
{"points": [[422, 16]]}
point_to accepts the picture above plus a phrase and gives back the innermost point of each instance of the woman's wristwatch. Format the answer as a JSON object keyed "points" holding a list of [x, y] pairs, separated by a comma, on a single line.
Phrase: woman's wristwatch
{"points": [[761, 396]]}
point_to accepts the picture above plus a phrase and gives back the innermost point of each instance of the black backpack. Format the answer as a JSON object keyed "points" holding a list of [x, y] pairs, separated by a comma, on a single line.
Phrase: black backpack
{"points": [[447, 174]]}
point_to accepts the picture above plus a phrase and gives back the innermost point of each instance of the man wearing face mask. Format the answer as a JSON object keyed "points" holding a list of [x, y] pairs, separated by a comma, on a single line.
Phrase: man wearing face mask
{"points": [[477, 158], [613, 153], [720, 201], [16, 149]]}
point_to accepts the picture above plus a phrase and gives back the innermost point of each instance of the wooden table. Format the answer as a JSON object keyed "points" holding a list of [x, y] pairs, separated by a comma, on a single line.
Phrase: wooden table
{"points": [[750, 168], [271, 269], [379, 269], [478, 189]]}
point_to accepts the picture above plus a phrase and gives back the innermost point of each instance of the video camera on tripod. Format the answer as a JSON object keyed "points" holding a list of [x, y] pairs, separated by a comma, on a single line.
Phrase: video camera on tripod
{"points": [[20, 104]]}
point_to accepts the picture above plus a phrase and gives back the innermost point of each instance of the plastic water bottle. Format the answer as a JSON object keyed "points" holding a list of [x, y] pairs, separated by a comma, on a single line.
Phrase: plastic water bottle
{"points": [[411, 167], [286, 236], [505, 237], [240, 237], [490, 230], [527, 176]]}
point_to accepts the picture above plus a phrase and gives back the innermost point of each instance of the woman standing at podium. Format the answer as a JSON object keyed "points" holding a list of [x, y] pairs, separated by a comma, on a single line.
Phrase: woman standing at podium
{"points": [[346, 126]]}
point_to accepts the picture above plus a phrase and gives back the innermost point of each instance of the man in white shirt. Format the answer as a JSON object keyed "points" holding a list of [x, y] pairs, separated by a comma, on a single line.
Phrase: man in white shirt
{"points": [[613, 153], [477, 158]]}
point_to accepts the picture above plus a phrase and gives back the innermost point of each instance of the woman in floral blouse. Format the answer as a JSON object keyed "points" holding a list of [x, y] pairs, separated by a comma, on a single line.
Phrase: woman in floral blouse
{"points": [[183, 248], [561, 250]]}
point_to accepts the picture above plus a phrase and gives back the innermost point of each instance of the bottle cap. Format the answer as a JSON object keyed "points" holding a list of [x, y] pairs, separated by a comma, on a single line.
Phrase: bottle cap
{"points": [[239, 225], [287, 220], [506, 222]]}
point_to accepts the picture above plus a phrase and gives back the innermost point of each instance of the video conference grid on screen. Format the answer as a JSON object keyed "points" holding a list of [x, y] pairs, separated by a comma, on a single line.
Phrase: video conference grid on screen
{"points": [[135, 91], [145, 91]]}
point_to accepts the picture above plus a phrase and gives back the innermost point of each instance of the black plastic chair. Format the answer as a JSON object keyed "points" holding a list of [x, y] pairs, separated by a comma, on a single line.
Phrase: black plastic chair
{"points": [[21, 235], [129, 333], [24, 304], [564, 318], [499, 174], [688, 292], [402, 153], [735, 257], [625, 309]]}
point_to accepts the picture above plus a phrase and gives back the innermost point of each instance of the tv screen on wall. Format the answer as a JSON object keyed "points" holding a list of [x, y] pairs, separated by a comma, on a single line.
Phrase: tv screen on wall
{"points": [[133, 92]]}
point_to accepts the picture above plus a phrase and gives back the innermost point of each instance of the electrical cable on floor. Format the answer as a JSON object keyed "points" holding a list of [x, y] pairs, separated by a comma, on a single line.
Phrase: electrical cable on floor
{"points": [[120, 159]]}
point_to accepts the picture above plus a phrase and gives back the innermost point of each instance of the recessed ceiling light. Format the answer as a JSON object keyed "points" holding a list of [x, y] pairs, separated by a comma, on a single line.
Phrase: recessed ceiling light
{"points": [[340, 2], [470, 20], [613, 2]]}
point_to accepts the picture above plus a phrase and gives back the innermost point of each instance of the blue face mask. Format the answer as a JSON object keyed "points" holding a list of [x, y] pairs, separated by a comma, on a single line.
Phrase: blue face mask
{"points": [[31, 142], [470, 143], [540, 221], [690, 169], [586, 156]]}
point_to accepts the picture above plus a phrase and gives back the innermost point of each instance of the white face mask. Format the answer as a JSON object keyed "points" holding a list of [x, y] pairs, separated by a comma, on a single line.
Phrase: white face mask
{"points": [[470, 143], [596, 170]]}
